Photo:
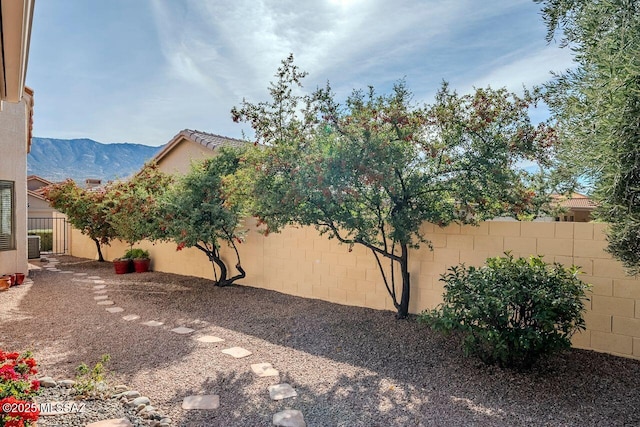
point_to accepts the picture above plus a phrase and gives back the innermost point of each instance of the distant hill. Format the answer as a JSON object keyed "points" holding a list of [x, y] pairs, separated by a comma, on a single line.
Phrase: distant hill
{"points": [[79, 159]]}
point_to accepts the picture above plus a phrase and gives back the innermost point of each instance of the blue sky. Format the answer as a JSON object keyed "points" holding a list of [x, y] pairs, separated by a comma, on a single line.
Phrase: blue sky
{"points": [[142, 70]]}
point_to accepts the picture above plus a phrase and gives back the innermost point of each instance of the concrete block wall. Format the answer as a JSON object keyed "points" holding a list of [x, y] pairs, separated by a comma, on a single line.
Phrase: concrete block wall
{"points": [[300, 262]]}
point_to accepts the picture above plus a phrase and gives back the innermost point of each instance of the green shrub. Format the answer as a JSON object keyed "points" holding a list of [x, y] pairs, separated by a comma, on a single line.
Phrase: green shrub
{"points": [[135, 254], [90, 382], [511, 311], [46, 239]]}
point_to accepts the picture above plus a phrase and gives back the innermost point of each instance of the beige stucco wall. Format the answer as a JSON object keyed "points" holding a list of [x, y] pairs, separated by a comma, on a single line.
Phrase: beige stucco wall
{"points": [[300, 262], [180, 157], [13, 167]]}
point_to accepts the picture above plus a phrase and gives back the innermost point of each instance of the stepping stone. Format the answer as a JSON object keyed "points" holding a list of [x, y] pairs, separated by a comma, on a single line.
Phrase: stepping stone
{"points": [[182, 330], [237, 352], [66, 272], [115, 309], [79, 274], [130, 317], [100, 291], [99, 286], [281, 391], [264, 370], [289, 418], [105, 302], [114, 422], [207, 401], [99, 297], [93, 277], [209, 338], [153, 323], [98, 281], [54, 269]]}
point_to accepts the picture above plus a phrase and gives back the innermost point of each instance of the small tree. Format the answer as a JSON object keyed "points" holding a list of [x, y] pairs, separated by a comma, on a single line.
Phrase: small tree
{"points": [[134, 208], [196, 213], [372, 171], [85, 209]]}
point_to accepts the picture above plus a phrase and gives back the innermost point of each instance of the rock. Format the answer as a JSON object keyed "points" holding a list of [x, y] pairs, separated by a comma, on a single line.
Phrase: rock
{"points": [[121, 388], [66, 383], [289, 418], [166, 420], [132, 394], [47, 382], [154, 424], [139, 407], [142, 400], [281, 391], [210, 401], [164, 425]]}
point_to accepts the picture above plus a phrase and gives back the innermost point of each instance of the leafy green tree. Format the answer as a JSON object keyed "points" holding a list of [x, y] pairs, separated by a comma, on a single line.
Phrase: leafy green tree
{"points": [[372, 171], [86, 210], [196, 213], [597, 105], [134, 204]]}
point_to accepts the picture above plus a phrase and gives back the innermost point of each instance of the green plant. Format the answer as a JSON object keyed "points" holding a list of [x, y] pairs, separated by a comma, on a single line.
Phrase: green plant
{"points": [[86, 211], [373, 170], [197, 213], [17, 389], [136, 253], [90, 382], [511, 311]]}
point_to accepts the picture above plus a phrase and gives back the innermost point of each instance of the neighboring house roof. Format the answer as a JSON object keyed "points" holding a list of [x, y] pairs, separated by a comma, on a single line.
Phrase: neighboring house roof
{"points": [[38, 178], [208, 140], [37, 195], [576, 201]]}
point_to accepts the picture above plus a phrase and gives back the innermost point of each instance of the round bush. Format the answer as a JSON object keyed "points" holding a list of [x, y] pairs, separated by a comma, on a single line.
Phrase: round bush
{"points": [[511, 311]]}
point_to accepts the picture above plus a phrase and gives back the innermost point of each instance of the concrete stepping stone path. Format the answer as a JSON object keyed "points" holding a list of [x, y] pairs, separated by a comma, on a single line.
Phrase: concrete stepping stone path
{"points": [[209, 339], [153, 323], [79, 274], [99, 286], [66, 272], [100, 297], [100, 291], [114, 422], [237, 352], [182, 330], [115, 309], [264, 370], [93, 277], [130, 317], [281, 391], [289, 418], [106, 302], [97, 282], [207, 401]]}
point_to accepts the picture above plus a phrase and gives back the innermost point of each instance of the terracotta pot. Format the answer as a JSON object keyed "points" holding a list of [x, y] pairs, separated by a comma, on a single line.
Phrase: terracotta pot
{"points": [[19, 278], [122, 266], [5, 283], [9, 278], [141, 265]]}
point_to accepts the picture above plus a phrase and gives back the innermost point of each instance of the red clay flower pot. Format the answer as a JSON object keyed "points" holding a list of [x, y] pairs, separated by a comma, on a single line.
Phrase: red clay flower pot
{"points": [[141, 265], [122, 266], [19, 278], [5, 283]]}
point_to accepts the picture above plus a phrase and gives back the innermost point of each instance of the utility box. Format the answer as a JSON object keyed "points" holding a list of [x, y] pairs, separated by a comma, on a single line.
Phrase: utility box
{"points": [[33, 247]]}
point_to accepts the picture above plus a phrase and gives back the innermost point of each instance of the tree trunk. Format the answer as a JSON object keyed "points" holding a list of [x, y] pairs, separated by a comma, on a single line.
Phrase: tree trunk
{"points": [[403, 307], [100, 257], [215, 260]]}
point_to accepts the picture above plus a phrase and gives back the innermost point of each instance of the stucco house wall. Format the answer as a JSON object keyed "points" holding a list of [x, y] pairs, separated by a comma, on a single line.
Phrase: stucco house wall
{"points": [[14, 137]]}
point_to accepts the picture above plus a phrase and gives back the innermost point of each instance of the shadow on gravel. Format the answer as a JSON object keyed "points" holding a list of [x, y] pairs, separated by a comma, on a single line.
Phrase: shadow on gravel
{"points": [[405, 374]]}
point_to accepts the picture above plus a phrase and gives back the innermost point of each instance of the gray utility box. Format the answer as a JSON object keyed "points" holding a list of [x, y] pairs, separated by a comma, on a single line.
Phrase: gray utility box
{"points": [[33, 247]]}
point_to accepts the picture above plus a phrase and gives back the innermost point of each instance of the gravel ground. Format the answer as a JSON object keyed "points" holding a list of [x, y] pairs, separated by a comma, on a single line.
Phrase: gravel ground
{"points": [[350, 366]]}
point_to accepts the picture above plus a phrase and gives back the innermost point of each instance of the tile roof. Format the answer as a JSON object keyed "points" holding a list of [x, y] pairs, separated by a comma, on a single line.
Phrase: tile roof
{"points": [[208, 140], [575, 200]]}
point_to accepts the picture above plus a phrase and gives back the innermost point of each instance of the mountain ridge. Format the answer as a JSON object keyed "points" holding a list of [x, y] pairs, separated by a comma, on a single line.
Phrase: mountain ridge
{"points": [[83, 158]]}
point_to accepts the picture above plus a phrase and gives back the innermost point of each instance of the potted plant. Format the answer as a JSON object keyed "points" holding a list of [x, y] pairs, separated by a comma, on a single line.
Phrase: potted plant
{"points": [[141, 261], [19, 277], [5, 283], [124, 264]]}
